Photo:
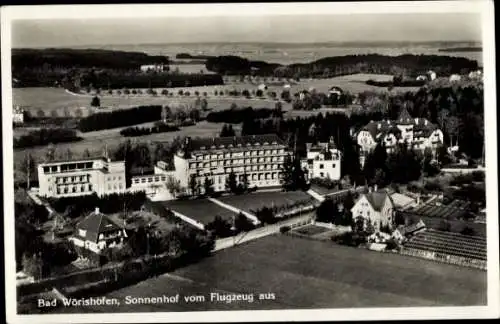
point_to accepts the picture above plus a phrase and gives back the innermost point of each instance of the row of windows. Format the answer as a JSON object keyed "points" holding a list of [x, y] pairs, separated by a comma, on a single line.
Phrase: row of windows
{"points": [[322, 166], [235, 162], [246, 153], [115, 186], [73, 179], [72, 189], [251, 177], [68, 167], [114, 178], [150, 179]]}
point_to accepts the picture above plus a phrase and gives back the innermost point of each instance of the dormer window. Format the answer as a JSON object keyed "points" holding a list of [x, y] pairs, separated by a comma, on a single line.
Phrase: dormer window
{"points": [[82, 232]]}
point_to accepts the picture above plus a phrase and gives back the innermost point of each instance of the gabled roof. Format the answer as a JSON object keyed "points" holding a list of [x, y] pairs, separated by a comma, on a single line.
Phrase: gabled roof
{"points": [[96, 223], [377, 199]]}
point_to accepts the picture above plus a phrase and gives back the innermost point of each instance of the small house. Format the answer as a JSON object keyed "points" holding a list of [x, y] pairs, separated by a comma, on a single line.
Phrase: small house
{"points": [[97, 232], [375, 208]]}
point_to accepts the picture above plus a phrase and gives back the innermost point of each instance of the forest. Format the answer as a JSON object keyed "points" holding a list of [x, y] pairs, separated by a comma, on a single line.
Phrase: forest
{"points": [[120, 118], [407, 64], [45, 136], [65, 58]]}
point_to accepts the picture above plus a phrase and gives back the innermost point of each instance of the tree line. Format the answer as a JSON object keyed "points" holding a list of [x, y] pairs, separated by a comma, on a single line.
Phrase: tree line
{"points": [[141, 131], [236, 116], [120, 118], [407, 64], [45, 136]]}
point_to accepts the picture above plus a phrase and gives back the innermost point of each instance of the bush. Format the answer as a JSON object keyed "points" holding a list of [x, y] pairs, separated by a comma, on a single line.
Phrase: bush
{"points": [[284, 229], [140, 131]]}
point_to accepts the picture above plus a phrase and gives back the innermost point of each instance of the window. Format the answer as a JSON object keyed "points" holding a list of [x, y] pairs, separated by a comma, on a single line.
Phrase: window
{"points": [[321, 166], [90, 187], [82, 188], [73, 189], [46, 169], [321, 174], [82, 232], [65, 190]]}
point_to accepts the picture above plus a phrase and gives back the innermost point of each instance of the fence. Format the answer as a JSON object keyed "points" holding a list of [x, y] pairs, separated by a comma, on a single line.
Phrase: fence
{"points": [[445, 258]]}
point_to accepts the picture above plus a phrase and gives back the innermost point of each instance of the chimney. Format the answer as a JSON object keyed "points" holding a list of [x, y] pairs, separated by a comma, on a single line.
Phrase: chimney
{"points": [[416, 121], [375, 187], [97, 210], [379, 126], [370, 189], [426, 122]]}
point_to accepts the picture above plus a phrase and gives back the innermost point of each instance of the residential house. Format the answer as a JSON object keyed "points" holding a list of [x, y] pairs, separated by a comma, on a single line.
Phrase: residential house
{"points": [[376, 208], [401, 233], [97, 232], [323, 161], [18, 115]]}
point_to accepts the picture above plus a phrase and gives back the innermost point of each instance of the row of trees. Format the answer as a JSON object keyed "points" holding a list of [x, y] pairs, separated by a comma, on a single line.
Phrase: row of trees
{"points": [[222, 228], [45, 136], [328, 67], [120, 118], [141, 131], [338, 213], [236, 116]]}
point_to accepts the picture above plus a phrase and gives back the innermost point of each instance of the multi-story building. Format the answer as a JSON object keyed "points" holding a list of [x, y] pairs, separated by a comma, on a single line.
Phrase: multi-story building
{"points": [[259, 158], [322, 161], [81, 177], [418, 133]]}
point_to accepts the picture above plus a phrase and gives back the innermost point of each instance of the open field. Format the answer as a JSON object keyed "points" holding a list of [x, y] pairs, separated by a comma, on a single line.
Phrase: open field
{"points": [[311, 230], [57, 99], [254, 201], [189, 68], [201, 210], [309, 274]]}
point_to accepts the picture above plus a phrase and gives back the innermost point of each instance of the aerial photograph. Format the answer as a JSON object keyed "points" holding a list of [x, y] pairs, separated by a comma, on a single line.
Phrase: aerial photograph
{"points": [[243, 162]]}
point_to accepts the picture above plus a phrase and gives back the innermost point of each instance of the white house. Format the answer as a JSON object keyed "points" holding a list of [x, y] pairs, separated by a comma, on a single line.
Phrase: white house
{"points": [[455, 78], [432, 75], [374, 207], [18, 115], [153, 67], [322, 161], [421, 78], [97, 232], [418, 133]]}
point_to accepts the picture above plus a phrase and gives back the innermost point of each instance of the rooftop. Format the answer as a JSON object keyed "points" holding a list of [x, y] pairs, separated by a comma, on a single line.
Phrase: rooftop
{"points": [[232, 142], [377, 199], [96, 223]]}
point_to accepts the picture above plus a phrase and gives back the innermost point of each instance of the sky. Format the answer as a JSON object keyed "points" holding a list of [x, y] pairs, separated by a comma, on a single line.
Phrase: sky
{"points": [[278, 28]]}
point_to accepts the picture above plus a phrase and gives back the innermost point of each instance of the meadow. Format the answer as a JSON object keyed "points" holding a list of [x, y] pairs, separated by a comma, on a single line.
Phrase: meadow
{"points": [[306, 274]]}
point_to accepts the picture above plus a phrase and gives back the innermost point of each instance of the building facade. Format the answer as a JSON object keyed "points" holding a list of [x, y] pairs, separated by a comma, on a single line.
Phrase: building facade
{"points": [[258, 158], [418, 133], [97, 232], [376, 208], [323, 161], [81, 177], [18, 115]]}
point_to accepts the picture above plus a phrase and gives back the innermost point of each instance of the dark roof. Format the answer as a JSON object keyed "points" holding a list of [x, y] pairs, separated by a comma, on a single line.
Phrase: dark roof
{"points": [[377, 199], [232, 142], [137, 171], [96, 223], [383, 126], [420, 125], [404, 115]]}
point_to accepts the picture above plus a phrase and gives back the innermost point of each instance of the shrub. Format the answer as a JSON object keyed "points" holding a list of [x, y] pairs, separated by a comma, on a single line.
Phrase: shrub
{"points": [[284, 229], [45, 136]]}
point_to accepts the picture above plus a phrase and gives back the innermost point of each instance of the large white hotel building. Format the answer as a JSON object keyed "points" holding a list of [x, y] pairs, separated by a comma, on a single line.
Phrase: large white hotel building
{"points": [[82, 177], [259, 158]]}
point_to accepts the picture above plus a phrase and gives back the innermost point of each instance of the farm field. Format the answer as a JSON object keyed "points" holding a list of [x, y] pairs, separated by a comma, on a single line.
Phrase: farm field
{"points": [[254, 201], [57, 99], [329, 276], [201, 210]]}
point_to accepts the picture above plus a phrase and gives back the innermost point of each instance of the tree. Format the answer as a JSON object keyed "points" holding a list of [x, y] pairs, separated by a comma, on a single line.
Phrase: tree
{"points": [[452, 128], [50, 154], [266, 216], [293, 175], [219, 227], [231, 183], [33, 265], [208, 186], [327, 212], [242, 223], [193, 185], [28, 166], [69, 154], [86, 153], [173, 186], [95, 102], [227, 131]]}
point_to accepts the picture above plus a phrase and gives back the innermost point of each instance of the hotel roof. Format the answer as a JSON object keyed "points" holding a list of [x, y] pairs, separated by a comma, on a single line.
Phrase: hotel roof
{"points": [[233, 142], [96, 223]]}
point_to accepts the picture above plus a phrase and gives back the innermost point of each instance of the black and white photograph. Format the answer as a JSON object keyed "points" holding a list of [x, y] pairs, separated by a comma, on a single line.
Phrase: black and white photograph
{"points": [[294, 161]]}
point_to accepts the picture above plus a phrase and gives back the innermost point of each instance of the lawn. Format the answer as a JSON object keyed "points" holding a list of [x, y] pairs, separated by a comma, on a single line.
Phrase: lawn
{"points": [[254, 201], [311, 230], [201, 210], [305, 274]]}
